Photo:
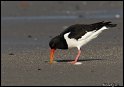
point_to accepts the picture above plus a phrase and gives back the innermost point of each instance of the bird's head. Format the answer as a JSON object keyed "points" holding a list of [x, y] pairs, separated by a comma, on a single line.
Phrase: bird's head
{"points": [[54, 44], [57, 42]]}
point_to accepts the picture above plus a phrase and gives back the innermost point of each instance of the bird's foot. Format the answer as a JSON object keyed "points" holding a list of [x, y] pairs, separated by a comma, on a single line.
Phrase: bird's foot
{"points": [[72, 62]]}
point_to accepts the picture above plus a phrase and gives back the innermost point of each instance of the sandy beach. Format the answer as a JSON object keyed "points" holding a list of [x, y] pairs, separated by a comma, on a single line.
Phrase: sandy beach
{"points": [[25, 45]]}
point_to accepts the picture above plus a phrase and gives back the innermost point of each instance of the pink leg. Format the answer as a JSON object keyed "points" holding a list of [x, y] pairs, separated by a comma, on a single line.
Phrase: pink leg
{"points": [[77, 57]]}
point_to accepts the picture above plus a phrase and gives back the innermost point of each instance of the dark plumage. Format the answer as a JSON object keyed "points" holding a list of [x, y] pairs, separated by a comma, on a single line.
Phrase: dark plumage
{"points": [[76, 36], [79, 30]]}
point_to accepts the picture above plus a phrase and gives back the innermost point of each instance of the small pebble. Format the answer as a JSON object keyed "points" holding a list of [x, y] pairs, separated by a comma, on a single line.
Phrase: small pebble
{"points": [[11, 54], [38, 69], [78, 63], [29, 36], [46, 61]]}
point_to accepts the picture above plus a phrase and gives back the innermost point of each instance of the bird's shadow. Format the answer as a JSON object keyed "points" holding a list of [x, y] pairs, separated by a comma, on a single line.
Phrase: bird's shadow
{"points": [[79, 60]]}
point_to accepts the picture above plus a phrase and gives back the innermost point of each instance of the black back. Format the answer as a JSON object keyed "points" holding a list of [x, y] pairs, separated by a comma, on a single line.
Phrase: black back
{"points": [[79, 30]]}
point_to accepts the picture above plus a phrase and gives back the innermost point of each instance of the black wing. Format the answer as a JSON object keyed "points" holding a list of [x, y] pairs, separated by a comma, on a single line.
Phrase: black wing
{"points": [[78, 30]]}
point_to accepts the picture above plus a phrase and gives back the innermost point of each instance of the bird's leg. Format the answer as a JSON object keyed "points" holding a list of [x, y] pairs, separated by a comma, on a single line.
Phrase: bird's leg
{"points": [[77, 57]]}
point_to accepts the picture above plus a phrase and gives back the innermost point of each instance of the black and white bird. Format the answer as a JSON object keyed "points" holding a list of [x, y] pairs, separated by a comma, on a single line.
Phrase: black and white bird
{"points": [[76, 36]]}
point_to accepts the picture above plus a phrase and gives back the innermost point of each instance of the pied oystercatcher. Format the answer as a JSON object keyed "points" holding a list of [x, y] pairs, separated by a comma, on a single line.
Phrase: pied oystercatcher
{"points": [[76, 36]]}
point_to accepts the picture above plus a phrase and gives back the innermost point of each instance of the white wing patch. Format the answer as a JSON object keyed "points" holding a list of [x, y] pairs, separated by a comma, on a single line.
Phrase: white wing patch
{"points": [[86, 35], [84, 39]]}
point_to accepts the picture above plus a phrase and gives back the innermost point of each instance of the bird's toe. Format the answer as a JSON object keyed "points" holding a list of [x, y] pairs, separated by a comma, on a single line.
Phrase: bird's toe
{"points": [[72, 62]]}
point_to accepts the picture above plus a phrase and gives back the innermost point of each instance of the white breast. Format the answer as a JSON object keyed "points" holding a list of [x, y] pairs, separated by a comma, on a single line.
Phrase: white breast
{"points": [[71, 42]]}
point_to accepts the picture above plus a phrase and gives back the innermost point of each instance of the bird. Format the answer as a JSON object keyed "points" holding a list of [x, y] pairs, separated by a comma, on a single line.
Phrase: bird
{"points": [[77, 35]]}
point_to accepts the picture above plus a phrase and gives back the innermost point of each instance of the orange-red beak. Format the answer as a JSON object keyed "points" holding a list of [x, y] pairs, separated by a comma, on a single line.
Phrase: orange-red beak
{"points": [[52, 51]]}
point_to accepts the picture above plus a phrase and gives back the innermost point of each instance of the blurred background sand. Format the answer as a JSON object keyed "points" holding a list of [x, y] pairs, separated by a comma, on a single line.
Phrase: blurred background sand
{"points": [[28, 26]]}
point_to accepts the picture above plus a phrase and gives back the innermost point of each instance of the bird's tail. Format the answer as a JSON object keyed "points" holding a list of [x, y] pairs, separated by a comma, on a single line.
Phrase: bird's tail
{"points": [[108, 24]]}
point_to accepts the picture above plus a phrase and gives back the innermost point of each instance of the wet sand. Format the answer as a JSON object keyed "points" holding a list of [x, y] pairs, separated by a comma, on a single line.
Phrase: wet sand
{"points": [[25, 52]]}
